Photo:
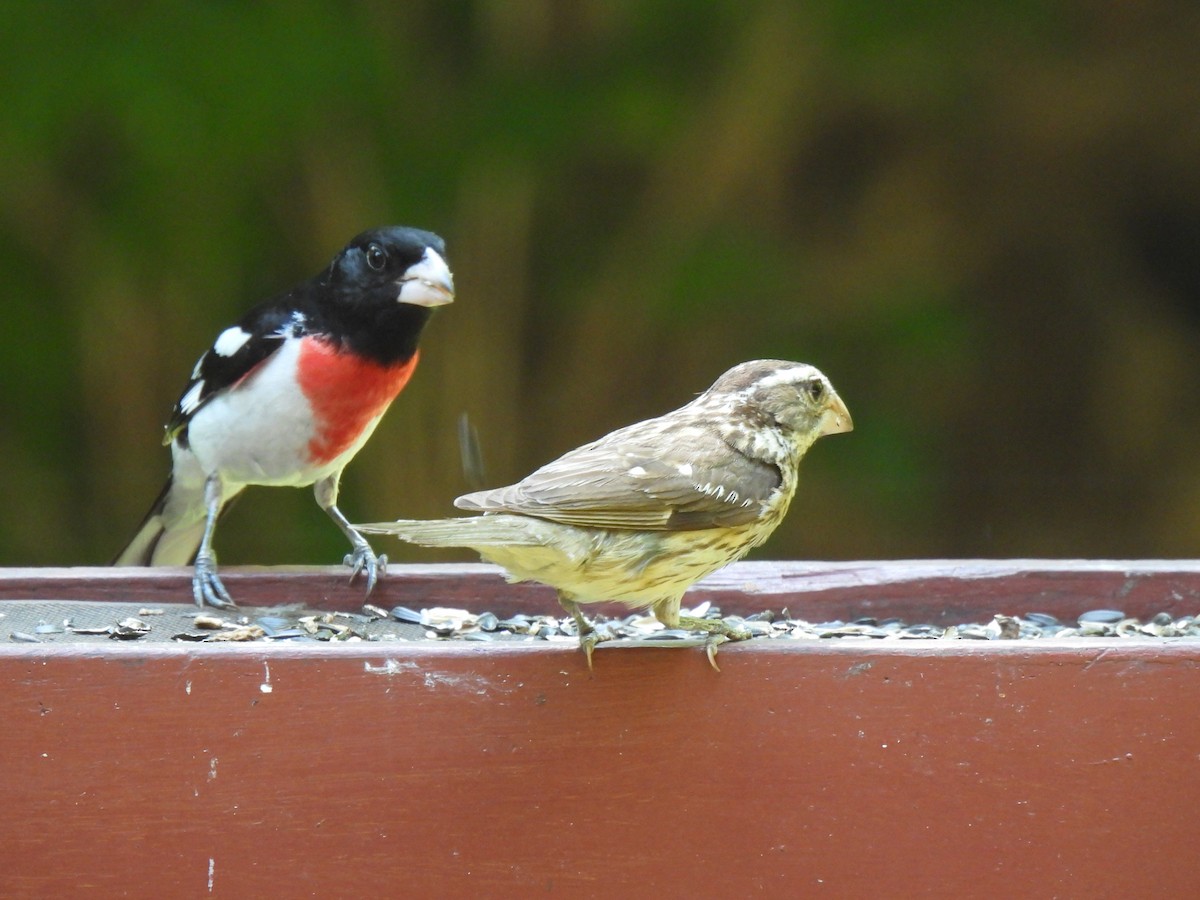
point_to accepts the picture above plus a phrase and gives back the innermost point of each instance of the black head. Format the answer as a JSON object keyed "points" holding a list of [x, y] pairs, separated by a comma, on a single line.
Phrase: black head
{"points": [[386, 260], [380, 289]]}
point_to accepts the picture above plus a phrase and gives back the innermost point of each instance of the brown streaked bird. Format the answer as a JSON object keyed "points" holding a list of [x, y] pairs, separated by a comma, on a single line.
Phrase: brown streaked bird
{"points": [[642, 513]]}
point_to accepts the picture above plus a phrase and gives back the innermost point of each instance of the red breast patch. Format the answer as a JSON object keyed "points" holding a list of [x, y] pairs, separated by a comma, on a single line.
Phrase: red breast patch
{"points": [[346, 393]]}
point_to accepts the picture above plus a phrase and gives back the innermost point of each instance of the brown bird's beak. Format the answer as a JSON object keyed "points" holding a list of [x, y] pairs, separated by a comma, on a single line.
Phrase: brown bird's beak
{"points": [[836, 418], [428, 283]]}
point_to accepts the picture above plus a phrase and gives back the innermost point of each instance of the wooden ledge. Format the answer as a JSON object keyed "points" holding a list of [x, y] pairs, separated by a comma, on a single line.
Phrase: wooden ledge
{"points": [[933, 591], [803, 768]]}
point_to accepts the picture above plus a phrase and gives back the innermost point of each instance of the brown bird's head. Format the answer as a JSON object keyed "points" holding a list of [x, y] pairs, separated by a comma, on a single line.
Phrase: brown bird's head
{"points": [[761, 401]]}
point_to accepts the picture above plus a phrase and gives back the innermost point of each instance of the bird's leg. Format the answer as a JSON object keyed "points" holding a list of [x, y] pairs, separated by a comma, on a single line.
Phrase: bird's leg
{"points": [[362, 558], [567, 602], [588, 636], [206, 584]]}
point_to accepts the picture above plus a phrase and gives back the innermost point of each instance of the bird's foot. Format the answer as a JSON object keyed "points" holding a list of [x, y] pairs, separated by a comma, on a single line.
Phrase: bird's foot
{"points": [[710, 649], [588, 641], [364, 560], [718, 630], [714, 626], [207, 588]]}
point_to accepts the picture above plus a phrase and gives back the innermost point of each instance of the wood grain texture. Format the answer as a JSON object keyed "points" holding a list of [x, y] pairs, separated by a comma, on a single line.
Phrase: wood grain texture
{"points": [[1001, 769]]}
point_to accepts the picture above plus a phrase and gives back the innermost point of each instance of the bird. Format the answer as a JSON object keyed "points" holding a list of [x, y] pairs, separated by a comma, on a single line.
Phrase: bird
{"points": [[289, 394], [642, 513]]}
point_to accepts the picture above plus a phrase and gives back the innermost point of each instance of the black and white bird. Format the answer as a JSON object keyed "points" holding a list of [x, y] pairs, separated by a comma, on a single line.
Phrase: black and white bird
{"points": [[290, 394], [641, 514]]}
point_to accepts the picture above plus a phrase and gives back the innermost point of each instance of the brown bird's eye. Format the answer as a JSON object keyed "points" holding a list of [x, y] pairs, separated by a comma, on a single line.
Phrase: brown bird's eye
{"points": [[816, 390], [376, 257]]}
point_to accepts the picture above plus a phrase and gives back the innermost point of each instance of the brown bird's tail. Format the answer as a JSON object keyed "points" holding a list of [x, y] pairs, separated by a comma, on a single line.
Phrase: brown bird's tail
{"points": [[469, 531]]}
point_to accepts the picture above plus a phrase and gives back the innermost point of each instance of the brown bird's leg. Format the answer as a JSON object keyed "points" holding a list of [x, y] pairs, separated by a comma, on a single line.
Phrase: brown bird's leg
{"points": [[588, 638], [567, 602]]}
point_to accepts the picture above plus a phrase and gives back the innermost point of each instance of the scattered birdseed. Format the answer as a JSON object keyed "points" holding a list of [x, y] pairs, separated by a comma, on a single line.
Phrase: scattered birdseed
{"points": [[60, 622], [129, 629]]}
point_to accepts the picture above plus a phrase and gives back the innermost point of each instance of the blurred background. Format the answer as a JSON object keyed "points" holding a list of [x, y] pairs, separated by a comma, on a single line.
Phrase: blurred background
{"points": [[981, 220]]}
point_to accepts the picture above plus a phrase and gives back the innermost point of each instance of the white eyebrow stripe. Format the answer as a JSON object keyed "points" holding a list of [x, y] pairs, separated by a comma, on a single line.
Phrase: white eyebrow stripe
{"points": [[790, 375]]}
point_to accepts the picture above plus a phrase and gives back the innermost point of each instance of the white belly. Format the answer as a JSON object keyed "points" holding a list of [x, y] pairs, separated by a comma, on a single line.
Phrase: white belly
{"points": [[259, 432]]}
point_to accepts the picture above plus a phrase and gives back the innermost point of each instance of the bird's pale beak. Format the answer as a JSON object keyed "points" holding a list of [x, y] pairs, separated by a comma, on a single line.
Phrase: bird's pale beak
{"points": [[428, 282], [836, 418]]}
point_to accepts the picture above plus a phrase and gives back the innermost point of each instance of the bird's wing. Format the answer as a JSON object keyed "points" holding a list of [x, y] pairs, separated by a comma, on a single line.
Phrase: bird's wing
{"points": [[238, 351], [628, 483]]}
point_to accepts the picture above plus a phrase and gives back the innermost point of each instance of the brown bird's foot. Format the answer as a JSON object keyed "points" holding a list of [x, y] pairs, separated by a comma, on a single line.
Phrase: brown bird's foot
{"points": [[714, 626], [718, 630], [710, 649], [588, 636], [588, 642]]}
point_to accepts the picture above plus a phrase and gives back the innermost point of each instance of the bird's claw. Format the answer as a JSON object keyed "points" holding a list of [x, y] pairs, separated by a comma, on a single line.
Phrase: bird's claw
{"points": [[718, 630], [710, 648], [588, 642], [363, 559], [207, 589]]}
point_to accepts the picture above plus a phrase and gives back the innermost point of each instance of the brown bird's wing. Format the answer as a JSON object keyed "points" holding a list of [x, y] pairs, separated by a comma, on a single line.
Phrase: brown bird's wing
{"points": [[679, 482]]}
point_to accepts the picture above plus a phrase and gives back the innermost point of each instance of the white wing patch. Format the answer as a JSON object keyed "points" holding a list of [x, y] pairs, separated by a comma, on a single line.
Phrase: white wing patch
{"points": [[230, 341], [191, 399]]}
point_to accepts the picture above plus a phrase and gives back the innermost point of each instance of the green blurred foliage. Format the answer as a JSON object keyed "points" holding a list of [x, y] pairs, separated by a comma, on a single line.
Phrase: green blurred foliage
{"points": [[982, 220]]}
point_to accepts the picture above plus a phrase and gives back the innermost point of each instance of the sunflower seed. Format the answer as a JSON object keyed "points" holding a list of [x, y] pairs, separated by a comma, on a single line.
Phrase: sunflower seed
{"points": [[1106, 616], [404, 614]]}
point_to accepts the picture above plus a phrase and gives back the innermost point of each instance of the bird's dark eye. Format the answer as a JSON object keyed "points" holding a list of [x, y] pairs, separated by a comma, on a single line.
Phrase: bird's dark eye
{"points": [[816, 390], [376, 257]]}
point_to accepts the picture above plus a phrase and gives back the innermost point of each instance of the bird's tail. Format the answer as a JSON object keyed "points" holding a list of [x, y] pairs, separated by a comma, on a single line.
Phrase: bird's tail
{"points": [[162, 543], [469, 531]]}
